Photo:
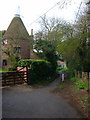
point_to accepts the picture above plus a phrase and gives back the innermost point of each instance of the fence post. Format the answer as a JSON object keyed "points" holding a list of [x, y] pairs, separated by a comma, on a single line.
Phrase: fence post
{"points": [[85, 76], [82, 75], [78, 75]]}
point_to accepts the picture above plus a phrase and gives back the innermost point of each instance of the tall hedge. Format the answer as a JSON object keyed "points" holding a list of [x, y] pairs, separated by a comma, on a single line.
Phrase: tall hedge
{"points": [[41, 70]]}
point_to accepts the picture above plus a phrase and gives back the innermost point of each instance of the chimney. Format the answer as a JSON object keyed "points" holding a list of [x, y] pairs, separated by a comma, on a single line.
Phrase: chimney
{"points": [[31, 32]]}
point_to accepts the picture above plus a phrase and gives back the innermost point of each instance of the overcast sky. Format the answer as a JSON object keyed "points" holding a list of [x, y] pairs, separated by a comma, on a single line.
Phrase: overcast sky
{"points": [[30, 10]]}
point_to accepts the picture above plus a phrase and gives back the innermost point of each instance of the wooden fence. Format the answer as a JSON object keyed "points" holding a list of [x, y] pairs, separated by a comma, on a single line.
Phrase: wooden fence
{"points": [[12, 78], [82, 75]]}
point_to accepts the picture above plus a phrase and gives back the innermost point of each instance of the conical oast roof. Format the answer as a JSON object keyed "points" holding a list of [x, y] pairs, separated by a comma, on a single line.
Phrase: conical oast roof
{"points": [[16, 30]]}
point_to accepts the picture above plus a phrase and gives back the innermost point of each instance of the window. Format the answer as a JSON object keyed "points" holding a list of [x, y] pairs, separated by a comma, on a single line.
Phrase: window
{"points": [[5, 42], [4, 62], [17, 49]]}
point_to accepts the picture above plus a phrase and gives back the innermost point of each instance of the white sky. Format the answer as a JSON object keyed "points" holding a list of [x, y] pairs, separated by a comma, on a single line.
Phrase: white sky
{"points": [[32, 9]]}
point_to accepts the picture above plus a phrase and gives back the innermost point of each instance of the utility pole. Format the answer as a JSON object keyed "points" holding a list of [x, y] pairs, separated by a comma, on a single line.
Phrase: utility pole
{"points": [[0, 49]]}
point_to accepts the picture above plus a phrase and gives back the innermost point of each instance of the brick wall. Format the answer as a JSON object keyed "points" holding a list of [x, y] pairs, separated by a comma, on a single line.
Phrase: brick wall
{"points": [[25, 50]]}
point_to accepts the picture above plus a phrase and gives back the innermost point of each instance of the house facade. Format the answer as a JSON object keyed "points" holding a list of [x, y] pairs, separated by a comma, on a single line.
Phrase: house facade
{"points": [[16, 38]]}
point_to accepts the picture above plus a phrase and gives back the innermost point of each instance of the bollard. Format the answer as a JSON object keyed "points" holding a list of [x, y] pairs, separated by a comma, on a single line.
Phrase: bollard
{"points": [[62, 77]]}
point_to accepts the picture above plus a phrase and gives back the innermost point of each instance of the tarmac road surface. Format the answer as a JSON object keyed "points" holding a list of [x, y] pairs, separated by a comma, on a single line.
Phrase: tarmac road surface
{"points": [[26, 102]]}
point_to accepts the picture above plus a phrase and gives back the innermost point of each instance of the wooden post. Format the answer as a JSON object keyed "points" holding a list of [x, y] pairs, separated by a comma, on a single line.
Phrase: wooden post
{"points": [[28, 75], [85, 76], [78, 75], [82, 75]]}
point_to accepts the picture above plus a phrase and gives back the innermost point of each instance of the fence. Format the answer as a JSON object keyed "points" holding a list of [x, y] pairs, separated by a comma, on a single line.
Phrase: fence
{"points": [[82, 75], [12, 78]]}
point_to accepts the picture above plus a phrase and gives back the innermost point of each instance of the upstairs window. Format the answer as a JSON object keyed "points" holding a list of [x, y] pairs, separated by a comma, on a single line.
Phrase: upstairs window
{"points": [[5, 42], [4, 62]]}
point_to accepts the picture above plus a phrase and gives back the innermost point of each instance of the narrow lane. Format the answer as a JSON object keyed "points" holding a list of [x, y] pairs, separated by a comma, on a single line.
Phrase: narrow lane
{"points": [[25, 102]]}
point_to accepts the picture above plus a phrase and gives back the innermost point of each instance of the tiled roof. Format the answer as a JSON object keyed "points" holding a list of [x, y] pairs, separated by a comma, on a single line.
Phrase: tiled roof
{"points": [[16, 30]]}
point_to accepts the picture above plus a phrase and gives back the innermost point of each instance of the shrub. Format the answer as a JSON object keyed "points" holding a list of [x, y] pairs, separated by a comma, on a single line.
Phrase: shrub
{"points": [[73, 79], [83, 100], [88, 98], [23, 63], [67, 71], [41, 70], [59, 68], [12, 68], [81, 85]]}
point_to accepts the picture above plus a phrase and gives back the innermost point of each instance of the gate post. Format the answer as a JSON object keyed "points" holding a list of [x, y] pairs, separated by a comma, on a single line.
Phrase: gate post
{"points": [[28, 75]]}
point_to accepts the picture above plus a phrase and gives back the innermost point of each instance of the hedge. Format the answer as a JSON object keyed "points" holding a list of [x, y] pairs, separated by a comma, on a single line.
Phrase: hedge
{"points": [[41, 70]]}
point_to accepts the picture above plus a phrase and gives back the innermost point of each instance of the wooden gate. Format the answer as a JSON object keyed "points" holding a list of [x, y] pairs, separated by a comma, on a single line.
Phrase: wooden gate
{"points": [[16, 77]]}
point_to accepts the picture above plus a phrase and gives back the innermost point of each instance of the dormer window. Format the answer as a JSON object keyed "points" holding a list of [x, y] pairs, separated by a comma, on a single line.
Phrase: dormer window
{"points": [[5, 42]]}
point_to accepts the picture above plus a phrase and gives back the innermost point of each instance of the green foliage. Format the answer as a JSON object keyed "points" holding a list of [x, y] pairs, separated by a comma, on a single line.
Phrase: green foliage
{"points": [[81, 85], [41, 70], [26, 62], [12, 68], [73, 79], [88, 98], [75, 47], [69, 40], [83, 100], [56, 71], [67, 71], [87, 88], [3, 70], [62, 86], [48, 51], [60, 68], [12, 55]]}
